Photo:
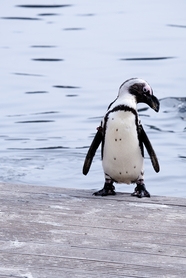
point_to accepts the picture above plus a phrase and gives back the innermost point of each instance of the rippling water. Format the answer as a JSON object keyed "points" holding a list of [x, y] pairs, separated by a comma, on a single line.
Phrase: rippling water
{"points": [[62, 64]]}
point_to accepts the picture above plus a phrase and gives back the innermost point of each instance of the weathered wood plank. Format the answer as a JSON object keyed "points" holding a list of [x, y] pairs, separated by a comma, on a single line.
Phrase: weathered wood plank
{"points": [[56, 232]]}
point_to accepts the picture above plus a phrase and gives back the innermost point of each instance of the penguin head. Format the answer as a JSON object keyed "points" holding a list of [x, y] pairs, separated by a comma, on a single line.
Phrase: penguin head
{"points": [[138, 90]]}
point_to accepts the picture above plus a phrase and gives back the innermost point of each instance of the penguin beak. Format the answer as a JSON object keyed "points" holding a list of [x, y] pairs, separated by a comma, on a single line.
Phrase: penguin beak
{"points": [[152, 101]]}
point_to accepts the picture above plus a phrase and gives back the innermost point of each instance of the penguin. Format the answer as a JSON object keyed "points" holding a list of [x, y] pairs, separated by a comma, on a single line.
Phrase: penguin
{"points": [[123, 138]]}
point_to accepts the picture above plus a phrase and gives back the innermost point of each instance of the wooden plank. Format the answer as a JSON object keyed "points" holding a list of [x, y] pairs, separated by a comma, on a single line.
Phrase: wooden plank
{"points": [[56, 232]]}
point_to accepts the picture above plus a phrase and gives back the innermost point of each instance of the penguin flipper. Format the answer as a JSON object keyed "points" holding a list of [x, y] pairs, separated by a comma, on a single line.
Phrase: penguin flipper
{"points": [[150, 149], [92, 150]]}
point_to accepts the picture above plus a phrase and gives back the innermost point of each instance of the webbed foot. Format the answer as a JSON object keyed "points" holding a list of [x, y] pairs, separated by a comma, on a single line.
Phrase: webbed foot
{"points": [[140, 191], [108, 189]]}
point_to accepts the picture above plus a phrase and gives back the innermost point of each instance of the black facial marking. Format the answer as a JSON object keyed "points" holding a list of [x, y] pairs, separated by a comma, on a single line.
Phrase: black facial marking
{"points": [[144, 94], [137, 88]]}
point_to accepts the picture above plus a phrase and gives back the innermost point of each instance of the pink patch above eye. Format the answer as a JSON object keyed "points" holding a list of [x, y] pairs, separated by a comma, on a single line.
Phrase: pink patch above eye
{"points": [[147, 89]]}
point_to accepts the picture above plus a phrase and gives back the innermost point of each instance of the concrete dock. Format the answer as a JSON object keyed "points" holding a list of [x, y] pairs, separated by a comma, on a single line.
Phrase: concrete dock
{"points": [[48, 232]]}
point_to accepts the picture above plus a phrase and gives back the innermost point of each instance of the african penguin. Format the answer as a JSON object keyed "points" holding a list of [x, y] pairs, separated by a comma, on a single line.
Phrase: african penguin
{"points": [[122, 136]]}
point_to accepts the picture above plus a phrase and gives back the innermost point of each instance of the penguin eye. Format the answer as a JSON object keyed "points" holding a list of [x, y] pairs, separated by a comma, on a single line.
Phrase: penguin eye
{"points": [[145, 90]]}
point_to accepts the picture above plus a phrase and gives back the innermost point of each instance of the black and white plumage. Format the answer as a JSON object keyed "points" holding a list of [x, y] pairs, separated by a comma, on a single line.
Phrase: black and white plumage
{"points": [[122, 136]]}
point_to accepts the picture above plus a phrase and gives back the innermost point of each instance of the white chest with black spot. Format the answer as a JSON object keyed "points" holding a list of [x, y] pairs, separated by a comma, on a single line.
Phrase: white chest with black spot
{"points": [[122, 156]]}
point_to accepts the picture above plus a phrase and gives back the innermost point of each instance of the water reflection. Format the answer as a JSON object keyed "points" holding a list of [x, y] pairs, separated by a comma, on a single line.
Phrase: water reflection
{"points": [[175, 25], [145, 58], [36, 92], [47, 59], [43, 46], [73, 29], [20, 18], [66, 87], [27, 74], [43, 6]]}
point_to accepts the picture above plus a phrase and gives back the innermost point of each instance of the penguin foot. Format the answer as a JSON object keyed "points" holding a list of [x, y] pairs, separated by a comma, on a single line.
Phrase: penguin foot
{"points": [[108, 189], [140, 191]]}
